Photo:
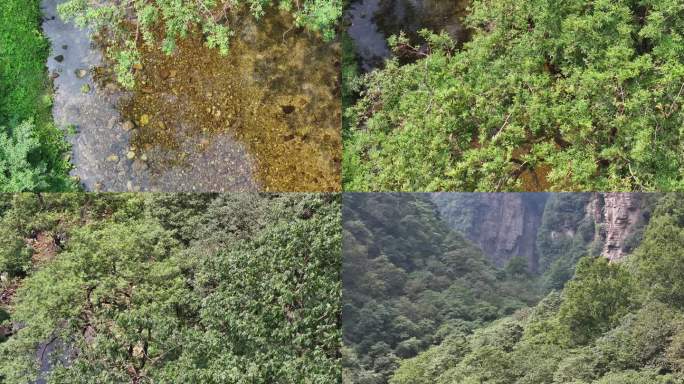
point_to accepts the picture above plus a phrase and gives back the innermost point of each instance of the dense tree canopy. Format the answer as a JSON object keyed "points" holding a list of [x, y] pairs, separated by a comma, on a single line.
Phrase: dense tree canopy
{"points": [[570, 95], [658, 260], [410, 281], [234, 288]]}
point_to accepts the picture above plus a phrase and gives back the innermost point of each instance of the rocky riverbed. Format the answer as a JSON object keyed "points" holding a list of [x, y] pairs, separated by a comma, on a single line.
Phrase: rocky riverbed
{"points": [[264, 117]]}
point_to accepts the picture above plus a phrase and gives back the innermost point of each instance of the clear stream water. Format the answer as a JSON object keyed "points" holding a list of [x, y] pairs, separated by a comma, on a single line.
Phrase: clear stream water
{"points": [[371, 22], [265, 117], [101, 145], [369, 41]]}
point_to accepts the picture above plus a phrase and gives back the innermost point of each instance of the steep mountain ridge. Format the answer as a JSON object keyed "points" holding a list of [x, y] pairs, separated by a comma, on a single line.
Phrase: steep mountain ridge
{"points": [[409, 279], [420, 278], [543, 227]]}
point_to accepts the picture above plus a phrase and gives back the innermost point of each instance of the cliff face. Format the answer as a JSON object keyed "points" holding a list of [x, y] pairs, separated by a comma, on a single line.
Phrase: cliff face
{"points": [[503, 225], [620, 216], [545, 228]]}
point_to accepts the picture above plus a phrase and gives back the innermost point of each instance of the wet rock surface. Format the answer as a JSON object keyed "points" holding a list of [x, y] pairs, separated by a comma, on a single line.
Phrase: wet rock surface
{"points": [[503, 225], [410, 16], [370, 42]]}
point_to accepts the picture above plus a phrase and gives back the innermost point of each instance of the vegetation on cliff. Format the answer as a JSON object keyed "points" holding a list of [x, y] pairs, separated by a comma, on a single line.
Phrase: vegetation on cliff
{"points": [[410, 281]]}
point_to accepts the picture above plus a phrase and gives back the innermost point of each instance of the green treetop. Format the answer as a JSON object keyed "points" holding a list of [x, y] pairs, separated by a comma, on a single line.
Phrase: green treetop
{"points": [[238, 288]]}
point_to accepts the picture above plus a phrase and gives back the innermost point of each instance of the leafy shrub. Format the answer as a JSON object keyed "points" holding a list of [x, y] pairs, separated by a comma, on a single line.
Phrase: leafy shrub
{"points": [[133, 296], [32, 150], [574, 95]]}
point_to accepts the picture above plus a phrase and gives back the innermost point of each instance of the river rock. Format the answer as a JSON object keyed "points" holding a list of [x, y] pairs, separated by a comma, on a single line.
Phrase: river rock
{"points": [[139, 165], [144, 120], [130, 155], [111, 123], [128, 125], [113, 158], [81, 73], [111, 88], [59, 58]]}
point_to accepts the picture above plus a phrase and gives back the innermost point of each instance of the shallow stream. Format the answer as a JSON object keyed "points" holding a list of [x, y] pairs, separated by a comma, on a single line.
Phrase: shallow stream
{"points": [[265, 117]]}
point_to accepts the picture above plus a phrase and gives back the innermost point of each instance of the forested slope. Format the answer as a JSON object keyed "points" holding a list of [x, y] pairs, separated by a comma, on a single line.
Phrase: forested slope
{"points": [[191, 288], [613, 323], [409, 281]]}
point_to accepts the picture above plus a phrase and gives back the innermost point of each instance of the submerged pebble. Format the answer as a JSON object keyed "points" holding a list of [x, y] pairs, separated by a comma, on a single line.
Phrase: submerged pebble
{"points": [[144, 120], [128, 125]]}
